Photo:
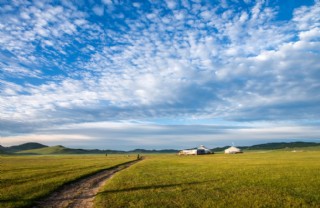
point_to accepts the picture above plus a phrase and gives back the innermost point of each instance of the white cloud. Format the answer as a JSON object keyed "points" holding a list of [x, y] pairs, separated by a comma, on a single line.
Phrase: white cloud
{"points": [[171, 4], [206, 15], [128, 135], [307, 17], [194, 62], [98, 10], [43, 138], [107, 2]]}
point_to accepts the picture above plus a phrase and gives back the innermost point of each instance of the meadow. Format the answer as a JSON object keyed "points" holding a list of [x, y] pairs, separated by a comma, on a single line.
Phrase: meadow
{"points": [[252, 179], [25, 179], [255, 179]]}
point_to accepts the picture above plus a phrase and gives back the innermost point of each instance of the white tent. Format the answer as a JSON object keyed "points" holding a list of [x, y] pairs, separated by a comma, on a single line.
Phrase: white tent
{"points": [[201, 150], [232, 150], [188, 152], [206, 150]]}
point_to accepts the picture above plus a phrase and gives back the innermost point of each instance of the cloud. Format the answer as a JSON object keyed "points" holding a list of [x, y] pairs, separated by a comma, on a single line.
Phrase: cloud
{"points": [[62, 64], [46, 139], [107, 2], [98, 10], [128, 135], [171, 4]]}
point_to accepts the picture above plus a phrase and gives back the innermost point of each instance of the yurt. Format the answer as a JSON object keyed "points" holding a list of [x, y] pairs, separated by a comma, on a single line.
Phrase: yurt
{"points": [[201, 150], [232, 150], [205, 150], [188, 152]]}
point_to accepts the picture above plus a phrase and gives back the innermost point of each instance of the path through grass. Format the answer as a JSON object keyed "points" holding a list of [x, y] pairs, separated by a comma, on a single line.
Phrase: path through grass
{"points": [[26, 178]]}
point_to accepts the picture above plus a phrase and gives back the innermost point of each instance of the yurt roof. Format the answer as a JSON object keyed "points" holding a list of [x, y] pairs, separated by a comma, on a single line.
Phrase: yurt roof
{"points": [[202, 147], [233, 148]]}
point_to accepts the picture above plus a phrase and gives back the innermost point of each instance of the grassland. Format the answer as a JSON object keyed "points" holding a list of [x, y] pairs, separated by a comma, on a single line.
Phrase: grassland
{"points": [[271, 179], [24, 179]]}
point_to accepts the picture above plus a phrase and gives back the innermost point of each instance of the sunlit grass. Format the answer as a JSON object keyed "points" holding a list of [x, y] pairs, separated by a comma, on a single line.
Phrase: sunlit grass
{"points": [[26, 178], [273, 179]]}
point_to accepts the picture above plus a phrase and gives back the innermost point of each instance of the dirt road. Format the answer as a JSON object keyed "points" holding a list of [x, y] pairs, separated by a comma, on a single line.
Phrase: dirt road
{"points": [[80, 193]]}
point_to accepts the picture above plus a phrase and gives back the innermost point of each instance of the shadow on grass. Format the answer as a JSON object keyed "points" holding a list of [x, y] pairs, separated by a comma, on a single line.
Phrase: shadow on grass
{"points": [[154, 187], [16, 202]]}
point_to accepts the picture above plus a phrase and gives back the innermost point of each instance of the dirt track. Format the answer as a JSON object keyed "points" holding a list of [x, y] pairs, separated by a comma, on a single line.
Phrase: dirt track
{"points": [[80, 193]]}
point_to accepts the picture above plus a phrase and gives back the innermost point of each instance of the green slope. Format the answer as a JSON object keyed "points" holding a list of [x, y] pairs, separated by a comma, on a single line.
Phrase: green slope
{"points": [[282, 145], [53, 150], [22, 147], [276, 146]]}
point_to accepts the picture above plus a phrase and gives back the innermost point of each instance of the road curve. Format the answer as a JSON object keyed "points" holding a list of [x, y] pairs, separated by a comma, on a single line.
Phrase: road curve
{"points": [[80, 193]]}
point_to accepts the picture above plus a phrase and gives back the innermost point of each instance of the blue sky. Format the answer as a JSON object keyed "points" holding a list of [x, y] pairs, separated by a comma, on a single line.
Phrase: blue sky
{"points": [[159, 74]]}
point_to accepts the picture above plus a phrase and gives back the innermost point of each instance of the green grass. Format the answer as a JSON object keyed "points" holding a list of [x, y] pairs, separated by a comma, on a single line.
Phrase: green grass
{"points": [[272, 179], [24, 179]]}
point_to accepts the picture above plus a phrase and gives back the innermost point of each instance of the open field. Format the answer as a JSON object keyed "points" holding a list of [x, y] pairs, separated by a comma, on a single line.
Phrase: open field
{"points": [[271, 179], [252, 179], [26, 178]]}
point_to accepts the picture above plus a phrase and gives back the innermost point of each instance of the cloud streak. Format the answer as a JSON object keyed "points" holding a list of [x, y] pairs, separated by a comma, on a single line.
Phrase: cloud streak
{"points": [[129, 135]]}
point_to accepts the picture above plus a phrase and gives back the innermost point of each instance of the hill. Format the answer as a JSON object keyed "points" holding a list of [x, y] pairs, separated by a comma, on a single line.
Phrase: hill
{"points": [[2, 151], [282, 145], [22, 147], [40, 149], [275, 146], [64, 150], [153, 151], [49, 150], [59, 149]]}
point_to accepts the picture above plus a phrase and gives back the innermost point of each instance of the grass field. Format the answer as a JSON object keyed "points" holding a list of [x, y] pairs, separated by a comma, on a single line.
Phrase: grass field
{"points": [[271, 179], [26, 178], [252, 179]]}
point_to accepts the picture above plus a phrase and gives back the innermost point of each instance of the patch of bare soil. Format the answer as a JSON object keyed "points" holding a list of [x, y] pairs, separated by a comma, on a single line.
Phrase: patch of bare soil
{"points": [[80, 194]]}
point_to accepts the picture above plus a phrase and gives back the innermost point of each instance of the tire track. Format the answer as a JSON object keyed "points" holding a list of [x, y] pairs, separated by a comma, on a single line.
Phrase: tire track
{"points": [[81, 193]]}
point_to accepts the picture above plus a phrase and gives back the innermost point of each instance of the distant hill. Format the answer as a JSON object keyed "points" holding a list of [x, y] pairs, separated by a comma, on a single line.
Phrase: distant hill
{"points": [[40, 149], [64, 150], [153, 151], [3, 150], [50, 150], [272, 146], [282, 145], [22, 147]]}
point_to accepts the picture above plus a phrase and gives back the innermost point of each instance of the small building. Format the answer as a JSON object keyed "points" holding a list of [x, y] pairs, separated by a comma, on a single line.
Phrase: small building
{"points": [[188, 152], [201, 150], [204, 149], [232, 150]]}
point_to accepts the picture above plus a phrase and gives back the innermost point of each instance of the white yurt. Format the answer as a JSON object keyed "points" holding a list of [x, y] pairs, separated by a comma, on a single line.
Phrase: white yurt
{"points": [[188, 152], [232, 150], [206, 150], [201, 150]]}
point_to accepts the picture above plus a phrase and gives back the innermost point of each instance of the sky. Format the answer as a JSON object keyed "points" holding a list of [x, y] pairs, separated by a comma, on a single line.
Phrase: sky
{"points": [[114, 74]]}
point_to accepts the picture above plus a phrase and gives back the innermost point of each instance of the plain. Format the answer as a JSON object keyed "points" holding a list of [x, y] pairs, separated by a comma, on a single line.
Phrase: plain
{"points": [[255, 179]]}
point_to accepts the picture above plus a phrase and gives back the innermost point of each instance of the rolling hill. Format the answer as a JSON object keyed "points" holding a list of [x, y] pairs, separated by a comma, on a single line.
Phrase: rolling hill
{"points": [[64, 150], [282, 145], [50, 150], [275, 146], [22, 147], [40, 149]]}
